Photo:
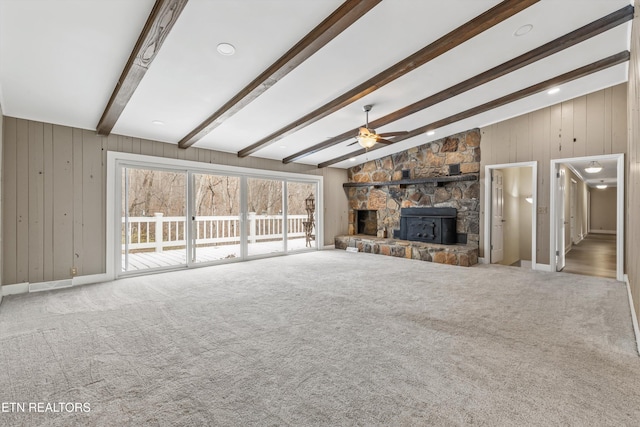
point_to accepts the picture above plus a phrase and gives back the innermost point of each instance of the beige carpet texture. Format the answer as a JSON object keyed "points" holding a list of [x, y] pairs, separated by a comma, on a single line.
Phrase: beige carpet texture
{"points": [[324, 338]]}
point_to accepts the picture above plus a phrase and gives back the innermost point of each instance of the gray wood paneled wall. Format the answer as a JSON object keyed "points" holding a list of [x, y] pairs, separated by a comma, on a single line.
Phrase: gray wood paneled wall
{"points": [[632, 226], [54, 184], [589, 125]]}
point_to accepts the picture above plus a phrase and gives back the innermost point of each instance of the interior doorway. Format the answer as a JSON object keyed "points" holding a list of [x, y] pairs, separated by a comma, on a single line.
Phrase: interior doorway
{"points": [[587, 215], [509, 222]]}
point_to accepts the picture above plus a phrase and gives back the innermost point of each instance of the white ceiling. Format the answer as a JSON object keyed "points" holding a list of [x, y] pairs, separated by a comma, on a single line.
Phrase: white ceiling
{"points": [[60, 60], [607, 176]]}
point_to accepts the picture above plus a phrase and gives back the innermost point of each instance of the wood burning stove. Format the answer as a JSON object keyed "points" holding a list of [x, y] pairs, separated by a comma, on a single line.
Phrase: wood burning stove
{"points": [[430, 225]]}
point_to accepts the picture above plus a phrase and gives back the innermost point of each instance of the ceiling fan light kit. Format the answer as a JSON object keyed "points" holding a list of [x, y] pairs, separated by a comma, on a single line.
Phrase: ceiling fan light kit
{"points": [[367, 138]]}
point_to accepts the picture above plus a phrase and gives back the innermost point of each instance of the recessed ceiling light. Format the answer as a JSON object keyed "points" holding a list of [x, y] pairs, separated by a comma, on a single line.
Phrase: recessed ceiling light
{"points": [[523, 30], [158, 122], [353, 159], [431, 133], [553, 91], [226, 49]]}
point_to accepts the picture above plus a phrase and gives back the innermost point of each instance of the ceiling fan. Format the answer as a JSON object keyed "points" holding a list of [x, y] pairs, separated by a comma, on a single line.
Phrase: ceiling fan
{"points": [[367, 137]]}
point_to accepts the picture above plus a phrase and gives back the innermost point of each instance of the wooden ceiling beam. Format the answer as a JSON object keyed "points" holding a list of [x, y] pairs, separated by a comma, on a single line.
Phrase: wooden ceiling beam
{"points": [[159, 23], [586, 70], [343, 17], [470, 29], [570, 39]]}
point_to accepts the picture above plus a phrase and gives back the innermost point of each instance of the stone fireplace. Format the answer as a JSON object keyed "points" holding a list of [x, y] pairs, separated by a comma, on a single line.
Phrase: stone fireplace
{"points": [[442, 174], [367, 222]]}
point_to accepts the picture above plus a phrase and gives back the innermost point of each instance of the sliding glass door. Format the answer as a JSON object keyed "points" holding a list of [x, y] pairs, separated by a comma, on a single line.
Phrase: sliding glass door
{"points": [[153, 225], [265, 220], [216, 225], [301, 215], [169, 218]]}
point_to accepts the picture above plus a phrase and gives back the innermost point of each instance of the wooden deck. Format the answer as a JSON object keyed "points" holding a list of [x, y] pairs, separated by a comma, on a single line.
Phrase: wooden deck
{"points": [[174, 258]]}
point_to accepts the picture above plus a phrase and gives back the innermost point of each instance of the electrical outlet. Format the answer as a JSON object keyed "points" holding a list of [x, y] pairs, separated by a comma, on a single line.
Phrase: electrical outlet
{"points": [[74, 271]]}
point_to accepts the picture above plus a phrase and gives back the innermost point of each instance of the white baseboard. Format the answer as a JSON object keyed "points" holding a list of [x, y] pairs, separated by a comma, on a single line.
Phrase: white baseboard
{"points": [[328, 247], [18, 288], [26, 287], [543, 267], [47, 286], [634, 318], [602, 232], [523, 263]]}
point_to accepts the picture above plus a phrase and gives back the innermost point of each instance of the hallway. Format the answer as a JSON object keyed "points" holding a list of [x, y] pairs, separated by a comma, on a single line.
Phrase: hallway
{"points": [[593, 256]]}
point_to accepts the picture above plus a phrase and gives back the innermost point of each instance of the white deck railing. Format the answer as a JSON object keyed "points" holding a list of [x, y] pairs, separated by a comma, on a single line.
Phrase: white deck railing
{"points": [[159, 231]]}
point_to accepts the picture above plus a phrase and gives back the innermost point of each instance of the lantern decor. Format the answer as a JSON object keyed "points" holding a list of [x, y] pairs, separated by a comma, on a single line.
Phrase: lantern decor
{"points": [[310, 206]]}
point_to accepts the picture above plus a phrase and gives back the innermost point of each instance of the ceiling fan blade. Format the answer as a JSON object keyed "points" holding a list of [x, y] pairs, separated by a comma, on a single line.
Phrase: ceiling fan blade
{"points": [[386, 134], [355, 142], [383, 141]]}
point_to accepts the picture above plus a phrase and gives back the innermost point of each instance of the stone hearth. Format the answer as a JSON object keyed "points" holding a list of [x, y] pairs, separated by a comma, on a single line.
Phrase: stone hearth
{"points": [[461, 255], [441, 174]]}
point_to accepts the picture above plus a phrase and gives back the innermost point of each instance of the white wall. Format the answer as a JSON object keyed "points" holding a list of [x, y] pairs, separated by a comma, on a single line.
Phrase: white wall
{"points": [[511, 227], [525, 219], [517, 214]]}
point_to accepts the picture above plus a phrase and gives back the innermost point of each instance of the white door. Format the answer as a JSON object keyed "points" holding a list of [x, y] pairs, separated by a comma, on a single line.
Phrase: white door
{"points": [[560, 220], [573, 212], [497, 216]]}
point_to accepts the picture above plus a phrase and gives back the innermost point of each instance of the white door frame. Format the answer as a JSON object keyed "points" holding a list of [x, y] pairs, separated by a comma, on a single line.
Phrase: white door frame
{"points": [[560, 220], [114, 194], [555, 166], [573, 211], [534, 206]]}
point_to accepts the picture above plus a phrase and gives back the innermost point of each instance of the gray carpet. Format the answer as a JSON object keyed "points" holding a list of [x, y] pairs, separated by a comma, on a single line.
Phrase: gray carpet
{"points": [[326, 338]]}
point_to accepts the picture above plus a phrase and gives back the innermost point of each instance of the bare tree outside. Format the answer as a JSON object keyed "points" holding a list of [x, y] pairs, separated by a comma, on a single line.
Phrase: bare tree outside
{"points": [[152, 191], [154, 208]]}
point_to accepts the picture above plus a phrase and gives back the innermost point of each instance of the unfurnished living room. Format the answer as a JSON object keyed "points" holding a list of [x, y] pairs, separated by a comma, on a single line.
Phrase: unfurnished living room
{"points": [[319, 212]]}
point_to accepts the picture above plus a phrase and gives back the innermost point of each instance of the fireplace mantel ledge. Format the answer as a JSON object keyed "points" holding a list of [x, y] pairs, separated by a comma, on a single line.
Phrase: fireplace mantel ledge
{"points": [[437, 179]]}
